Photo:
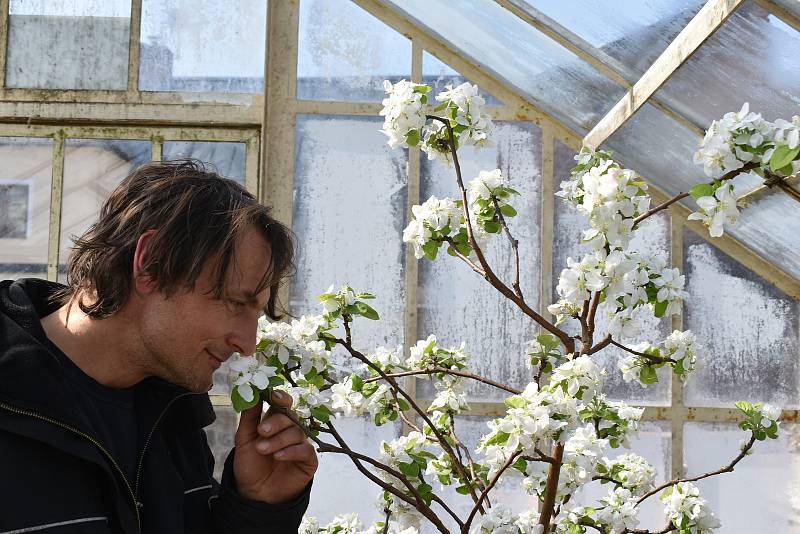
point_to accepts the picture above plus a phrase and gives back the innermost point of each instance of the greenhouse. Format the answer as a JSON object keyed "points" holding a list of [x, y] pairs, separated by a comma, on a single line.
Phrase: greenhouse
{"points": [[291, 99]]}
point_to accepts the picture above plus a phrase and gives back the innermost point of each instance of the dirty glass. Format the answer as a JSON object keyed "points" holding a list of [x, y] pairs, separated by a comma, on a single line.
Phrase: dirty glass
{"points": [[24, 206], [220, 436], [762, 494], [456, 304], [345, 53], [203, 45], [520, 56], [225, 157], [349, 215], [92, 169], [651, 238], [632, 32], [81, 44], [723, 74], [748, 329], [439, 75], [661, 150], [340, 488]]}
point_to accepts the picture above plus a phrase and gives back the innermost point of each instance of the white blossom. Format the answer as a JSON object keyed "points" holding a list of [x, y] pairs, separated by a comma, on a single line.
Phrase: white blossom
{"points": [[403, 111], [249, 370], [684, 506], [717, 210], [620, 512], [788, 133], [469, 113], [484, 185], [633, 472]]}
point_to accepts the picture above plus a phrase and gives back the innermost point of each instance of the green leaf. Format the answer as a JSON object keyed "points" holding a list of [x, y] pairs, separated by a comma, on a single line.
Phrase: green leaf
{"points": [[464, 248], [660, 308], [430, 248], [321, 414], [508, 210], [403, 405], [702, 190], [410, 469], [358, 384], [412, 137], [647, 375], [515, 402], [463, 490], [275, 381], [492, 227], [369, 389], [520, 465], [422, 89], [782, 156], [366, 310], [239, 404]]}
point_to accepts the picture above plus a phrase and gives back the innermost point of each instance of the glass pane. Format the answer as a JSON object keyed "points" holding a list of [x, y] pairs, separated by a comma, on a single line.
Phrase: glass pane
{"points": [[203, 45], [24, 206], [338, 486], [661, 150], [748, 328], [722, 74], [345, 53], [226, 158], [456, 304], [653, 442], [92, 169], [762, 494], [349, 214], [220, 436], [652, 238], [633, 32], [68, 45], [438, 75], [518, 55]]}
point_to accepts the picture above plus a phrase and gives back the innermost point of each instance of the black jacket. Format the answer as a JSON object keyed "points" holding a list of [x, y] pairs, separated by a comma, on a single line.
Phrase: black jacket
{"points": [[55, 476]]}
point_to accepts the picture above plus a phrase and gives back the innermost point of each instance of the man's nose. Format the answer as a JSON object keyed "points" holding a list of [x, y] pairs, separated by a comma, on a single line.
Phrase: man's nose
{"points": [[243, 339]]}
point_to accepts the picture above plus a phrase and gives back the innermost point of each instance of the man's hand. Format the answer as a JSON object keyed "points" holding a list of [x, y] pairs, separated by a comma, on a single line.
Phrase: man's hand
{"points": [[274, 462]]}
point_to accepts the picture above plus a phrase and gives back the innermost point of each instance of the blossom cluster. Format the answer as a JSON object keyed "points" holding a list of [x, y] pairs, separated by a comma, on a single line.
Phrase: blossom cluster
{"points": [[462, 113], [350, 524], [687, 511], [735, 140], [500, 520], [677, 350]]}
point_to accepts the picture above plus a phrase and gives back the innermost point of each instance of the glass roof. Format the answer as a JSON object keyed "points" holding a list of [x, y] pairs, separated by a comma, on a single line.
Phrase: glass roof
{"points": [[634, 32], [719, 77], [551, 76]]}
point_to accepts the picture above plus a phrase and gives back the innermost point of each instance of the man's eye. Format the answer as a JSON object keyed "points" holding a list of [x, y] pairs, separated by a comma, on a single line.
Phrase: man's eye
{"points": [[237, 304]]}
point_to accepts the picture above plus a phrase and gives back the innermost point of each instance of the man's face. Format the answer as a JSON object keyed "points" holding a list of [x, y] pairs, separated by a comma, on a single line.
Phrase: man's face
{"points": [[188, 335]]}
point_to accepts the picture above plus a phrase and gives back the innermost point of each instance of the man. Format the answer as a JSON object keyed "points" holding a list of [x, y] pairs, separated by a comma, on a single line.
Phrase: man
{"points": [[103, 382]]}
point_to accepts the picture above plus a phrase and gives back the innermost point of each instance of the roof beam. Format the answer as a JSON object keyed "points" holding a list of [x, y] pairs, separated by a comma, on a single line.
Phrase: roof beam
{"points": [[525, 109], [700, 28], [602, 62], [781, 12]]}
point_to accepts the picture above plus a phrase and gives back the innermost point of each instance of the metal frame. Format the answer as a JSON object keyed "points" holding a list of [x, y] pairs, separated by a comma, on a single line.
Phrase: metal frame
{"points": [[133, 114]]}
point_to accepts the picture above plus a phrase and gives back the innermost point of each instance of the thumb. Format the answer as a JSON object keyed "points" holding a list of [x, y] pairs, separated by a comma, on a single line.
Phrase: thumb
{"points": [[248, 424]]}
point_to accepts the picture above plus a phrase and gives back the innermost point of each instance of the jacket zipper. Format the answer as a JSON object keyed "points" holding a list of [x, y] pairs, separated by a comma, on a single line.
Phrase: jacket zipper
{"points": [[135, 492], [57, 423]]}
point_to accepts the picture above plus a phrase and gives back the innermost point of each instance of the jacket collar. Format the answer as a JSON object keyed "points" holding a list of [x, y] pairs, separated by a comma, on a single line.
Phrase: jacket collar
{"points": [[34, 379]]}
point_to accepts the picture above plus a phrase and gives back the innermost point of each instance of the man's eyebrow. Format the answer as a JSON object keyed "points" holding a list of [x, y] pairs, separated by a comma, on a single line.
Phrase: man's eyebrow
{"points": [[249, 296]]}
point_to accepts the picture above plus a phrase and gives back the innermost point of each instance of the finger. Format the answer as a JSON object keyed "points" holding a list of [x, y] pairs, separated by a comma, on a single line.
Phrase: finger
{"points": [[290, 436], [303, 453], [273, 423], [248, 424], [280, 399]]}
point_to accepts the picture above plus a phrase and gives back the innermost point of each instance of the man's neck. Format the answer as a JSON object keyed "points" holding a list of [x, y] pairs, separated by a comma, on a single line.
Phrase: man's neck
{"points": [[105, 349]]}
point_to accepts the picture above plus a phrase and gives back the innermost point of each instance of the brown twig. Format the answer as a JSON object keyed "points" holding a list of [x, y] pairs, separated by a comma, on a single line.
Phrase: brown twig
{"points": [[455, 372], [393, 384], [489, 274], [649, 357], [514, 248], [727, 469], [680, 196], [488, 488], [552, 487]]}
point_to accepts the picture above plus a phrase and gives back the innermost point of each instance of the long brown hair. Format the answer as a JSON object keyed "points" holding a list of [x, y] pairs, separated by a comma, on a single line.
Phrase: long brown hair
{"points": [[198, 216]]}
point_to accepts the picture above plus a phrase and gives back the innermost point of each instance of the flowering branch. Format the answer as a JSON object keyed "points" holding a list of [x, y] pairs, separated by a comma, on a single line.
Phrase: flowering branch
{"points": [[514, 248], [489, 487], [454, 372]]}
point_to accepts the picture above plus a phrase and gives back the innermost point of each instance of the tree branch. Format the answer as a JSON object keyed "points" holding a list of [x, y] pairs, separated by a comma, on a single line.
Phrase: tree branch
{"points": [[552, 487], [489, 488], [514, 248], [727, 469], [455, 372]]}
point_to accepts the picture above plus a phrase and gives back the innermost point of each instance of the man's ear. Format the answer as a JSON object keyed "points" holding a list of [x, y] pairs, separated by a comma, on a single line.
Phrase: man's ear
{"points": [[143, 283]]}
